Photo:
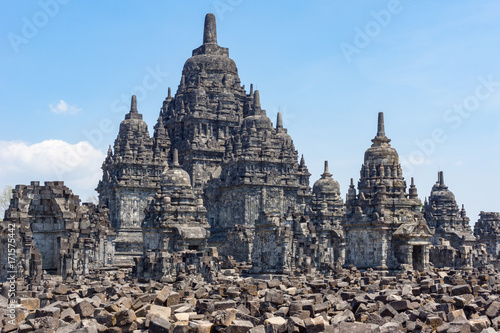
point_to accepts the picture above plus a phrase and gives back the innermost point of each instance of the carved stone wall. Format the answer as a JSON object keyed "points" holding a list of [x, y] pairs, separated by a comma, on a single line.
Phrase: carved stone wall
{"points": [[206, 110], [383, 226], [131, 175], [487, 230], [451, 228], [54, 232]]}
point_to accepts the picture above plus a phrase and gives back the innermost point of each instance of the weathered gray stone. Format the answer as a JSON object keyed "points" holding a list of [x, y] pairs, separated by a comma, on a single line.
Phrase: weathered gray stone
{"points": [[453, 241], [381, 235], [159, 325], [84, 309], [239, 326]]}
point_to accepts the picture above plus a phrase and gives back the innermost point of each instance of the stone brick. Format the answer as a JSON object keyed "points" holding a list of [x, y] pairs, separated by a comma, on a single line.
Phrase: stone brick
{"points": [[84, 309]]}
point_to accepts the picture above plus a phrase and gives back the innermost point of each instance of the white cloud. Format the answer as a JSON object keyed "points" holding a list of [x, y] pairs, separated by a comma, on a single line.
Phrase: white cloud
{"points": [[78, 165], [64, 108]]}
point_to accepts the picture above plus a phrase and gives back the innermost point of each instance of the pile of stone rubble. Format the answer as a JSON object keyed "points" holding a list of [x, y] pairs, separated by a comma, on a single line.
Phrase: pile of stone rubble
{"points": [[347, 301]]}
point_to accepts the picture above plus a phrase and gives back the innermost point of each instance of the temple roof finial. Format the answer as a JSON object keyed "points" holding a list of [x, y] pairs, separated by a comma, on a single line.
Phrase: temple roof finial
{"points": [[133, 104], [256, 100], [326, 174], [380, 126], [169, 93], [279, 121], [380, 139], [210, 30], [441, 178], [133, 114], [176, 158], [210, 45]]}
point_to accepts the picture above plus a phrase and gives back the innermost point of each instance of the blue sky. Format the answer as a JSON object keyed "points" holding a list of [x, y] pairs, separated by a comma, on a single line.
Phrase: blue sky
{"points": [[69, 67]]}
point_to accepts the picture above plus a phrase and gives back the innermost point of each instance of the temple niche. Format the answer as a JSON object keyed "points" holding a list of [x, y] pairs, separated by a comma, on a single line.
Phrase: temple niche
{"points": [[383, 226]]}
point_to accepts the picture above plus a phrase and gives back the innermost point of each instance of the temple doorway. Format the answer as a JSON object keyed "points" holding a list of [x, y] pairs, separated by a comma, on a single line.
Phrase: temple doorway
{"points": [[418, 257]]}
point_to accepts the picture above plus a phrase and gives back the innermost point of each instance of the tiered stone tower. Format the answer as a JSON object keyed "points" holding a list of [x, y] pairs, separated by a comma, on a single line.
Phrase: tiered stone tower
{"points": [[487, 230], [259, 179], [206, 110], [445, 218], [328, 212], [175, 220], [131, 176], [450, 226], [383, 226]]}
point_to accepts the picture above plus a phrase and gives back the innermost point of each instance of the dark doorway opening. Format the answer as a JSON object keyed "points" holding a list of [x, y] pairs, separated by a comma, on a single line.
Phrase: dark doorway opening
{"points": [[418, 257]]}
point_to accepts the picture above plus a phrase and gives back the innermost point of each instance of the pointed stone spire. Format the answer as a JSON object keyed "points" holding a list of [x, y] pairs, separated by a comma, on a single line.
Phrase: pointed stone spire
{"points": [[133, 114], [169, 93], [380, 125], [351, 192], [251, 89], [413, 194], [380, 139], [110, 152], [210, 30], [325, 171], [256, 100], [279, 121], [441, 178], [256, 109], [209, 45], [463, 213], [302, 162], [133, 104], [175, 158]]}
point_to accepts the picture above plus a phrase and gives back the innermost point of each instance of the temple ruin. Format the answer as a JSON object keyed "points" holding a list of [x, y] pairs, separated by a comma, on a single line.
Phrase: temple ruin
{"points": [[219, 186], [383, 225]]}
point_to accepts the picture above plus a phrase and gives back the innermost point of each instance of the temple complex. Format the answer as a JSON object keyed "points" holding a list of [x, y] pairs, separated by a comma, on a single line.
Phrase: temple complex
{"points": [[218, 186]]}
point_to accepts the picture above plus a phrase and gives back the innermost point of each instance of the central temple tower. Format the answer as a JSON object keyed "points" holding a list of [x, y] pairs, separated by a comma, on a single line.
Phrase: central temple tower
{"points": [[206, 110]]}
